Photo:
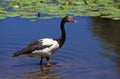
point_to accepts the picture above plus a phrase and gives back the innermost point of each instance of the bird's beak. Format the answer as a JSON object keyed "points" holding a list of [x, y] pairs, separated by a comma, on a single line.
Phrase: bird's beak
{"points": [[74, 21]]}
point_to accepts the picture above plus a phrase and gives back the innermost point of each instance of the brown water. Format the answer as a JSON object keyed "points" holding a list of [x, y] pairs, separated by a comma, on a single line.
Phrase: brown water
{"points": [[91, 51]]}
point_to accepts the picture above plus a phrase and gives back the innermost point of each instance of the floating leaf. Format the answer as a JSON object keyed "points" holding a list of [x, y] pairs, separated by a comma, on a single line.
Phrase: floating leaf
{"points": [[2, 16], [60, 8]]}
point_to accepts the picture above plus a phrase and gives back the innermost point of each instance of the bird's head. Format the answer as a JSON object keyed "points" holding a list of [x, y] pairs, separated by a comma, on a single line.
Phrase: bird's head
{"points": [[69, 19]]}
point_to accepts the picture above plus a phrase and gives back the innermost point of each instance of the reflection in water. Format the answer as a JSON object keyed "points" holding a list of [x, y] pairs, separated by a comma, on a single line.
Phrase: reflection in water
{"points": [[109, 32], [42, 73], [79, 55]]}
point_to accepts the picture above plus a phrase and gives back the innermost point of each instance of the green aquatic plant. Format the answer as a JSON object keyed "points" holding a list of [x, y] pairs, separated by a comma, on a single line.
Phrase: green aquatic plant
{"points": [[60, 8]]}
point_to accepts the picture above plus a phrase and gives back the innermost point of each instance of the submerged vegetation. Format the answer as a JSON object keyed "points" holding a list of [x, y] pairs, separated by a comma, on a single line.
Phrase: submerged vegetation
{"points": [[59, 8]]}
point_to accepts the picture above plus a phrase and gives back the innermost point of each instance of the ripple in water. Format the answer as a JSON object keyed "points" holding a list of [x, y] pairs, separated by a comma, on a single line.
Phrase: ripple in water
{"points": [[75, 60]]}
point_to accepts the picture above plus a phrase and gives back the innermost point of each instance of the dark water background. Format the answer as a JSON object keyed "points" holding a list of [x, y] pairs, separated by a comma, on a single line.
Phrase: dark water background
{"points": [[91, 51]]}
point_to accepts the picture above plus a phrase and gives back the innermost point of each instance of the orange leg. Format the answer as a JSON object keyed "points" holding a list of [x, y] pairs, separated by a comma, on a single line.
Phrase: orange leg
{"points": [[48, 62]]}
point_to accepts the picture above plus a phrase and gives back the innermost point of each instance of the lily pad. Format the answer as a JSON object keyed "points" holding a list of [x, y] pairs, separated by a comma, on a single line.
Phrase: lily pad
{"points": [[2, 16], [59, 8]]}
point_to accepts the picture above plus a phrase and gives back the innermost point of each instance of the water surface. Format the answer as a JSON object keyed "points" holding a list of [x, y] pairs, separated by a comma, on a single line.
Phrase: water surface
{"points": [[91, 51]]}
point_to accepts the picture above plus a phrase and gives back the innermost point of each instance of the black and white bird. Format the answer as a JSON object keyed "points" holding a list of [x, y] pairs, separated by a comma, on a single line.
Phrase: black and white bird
{"points": [[47, 46]]}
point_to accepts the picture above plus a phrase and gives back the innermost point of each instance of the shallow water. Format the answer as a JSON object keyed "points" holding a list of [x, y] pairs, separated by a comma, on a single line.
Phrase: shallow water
{"points": [[91, 51]]}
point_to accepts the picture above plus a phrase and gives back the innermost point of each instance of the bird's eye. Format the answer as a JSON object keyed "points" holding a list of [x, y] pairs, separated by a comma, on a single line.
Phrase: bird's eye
{"points": [[69, 19]]}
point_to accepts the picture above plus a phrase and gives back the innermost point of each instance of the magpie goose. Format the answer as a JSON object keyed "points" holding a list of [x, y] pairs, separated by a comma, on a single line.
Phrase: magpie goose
{"points": [[45, 47]]}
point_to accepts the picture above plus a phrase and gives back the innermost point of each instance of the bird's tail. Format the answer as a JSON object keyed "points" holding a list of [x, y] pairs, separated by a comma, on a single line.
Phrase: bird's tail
{"points": [[17, 53], [22, 51]]}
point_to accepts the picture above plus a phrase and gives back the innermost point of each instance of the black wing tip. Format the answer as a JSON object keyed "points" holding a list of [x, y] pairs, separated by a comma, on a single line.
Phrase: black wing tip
{"points": [[15, 55]]}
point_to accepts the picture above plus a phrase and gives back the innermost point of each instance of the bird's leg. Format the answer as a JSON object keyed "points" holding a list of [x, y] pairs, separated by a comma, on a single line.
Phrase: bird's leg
{"points": [[48, 62], [41, 60]]}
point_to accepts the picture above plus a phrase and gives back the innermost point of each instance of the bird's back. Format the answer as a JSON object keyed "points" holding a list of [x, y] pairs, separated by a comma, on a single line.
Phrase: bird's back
{"points": [[42, 47]]}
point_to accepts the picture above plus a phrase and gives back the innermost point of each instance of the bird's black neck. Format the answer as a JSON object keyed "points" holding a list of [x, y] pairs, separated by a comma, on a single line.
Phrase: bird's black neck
{"points": [[63, 34]]}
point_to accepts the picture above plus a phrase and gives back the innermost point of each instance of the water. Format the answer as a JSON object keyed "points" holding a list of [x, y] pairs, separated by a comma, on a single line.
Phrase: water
{"points": [[91, 51]]}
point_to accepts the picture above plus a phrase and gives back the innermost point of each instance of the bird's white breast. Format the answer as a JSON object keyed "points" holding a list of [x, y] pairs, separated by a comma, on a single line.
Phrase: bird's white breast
{"points": [[48, 50]]}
